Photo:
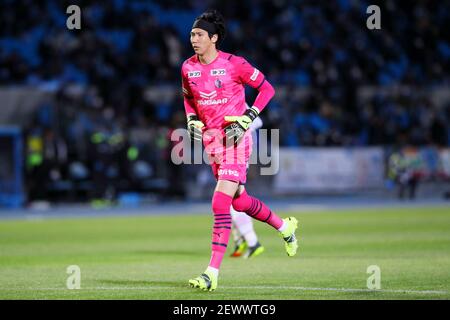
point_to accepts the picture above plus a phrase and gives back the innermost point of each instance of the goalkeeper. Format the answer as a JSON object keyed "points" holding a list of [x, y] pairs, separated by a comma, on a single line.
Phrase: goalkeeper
{"points": [[214, 99]]}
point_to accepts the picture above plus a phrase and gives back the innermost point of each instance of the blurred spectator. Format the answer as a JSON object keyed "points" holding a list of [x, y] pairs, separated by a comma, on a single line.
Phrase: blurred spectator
{"points": [[124, 46], [46, 161], [404, 172], [107, 145]]}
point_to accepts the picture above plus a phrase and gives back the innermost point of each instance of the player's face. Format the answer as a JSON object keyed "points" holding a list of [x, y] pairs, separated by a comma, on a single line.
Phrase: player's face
{"points": [[200, 41]]}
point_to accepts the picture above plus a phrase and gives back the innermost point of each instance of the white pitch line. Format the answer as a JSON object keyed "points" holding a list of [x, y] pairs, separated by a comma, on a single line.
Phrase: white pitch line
{"points": [[241, 287], [344, 289]]}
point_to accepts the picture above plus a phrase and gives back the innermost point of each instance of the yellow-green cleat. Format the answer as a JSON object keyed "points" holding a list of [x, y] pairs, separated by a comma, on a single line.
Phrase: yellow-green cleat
{"points": [[288, 235], [206, 282]]}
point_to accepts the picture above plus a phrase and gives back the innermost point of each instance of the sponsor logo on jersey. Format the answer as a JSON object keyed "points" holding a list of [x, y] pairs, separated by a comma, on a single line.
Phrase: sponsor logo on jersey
{"points": [[212, 101], [194, 74], [228, 172], [218, 83], [254, 75], [218, 72]]}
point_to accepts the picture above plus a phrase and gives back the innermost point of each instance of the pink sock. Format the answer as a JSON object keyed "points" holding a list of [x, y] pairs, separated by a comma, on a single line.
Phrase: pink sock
{"points": [[256, 209], [221, 203]]}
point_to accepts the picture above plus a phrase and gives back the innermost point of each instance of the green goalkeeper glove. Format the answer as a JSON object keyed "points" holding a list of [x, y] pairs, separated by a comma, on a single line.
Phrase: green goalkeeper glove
{"points": [[195, 128], [240, 124]]}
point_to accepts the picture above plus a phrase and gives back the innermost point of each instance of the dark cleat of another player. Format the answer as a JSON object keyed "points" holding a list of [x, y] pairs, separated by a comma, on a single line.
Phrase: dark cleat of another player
{"points": [[254, 251]]}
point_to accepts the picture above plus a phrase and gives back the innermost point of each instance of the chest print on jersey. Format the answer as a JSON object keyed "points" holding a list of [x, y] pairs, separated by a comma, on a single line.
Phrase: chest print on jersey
{"points": [[218, 72], [218, 83], [210, 95], [194, 74]]}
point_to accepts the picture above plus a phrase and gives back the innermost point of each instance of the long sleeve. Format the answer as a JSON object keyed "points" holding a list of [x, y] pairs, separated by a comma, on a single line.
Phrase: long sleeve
{"points": [[251, 76], [266, 93]]}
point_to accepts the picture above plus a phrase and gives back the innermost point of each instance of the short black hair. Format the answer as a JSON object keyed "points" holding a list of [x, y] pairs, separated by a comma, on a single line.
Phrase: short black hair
{"points": [[215, 17]]}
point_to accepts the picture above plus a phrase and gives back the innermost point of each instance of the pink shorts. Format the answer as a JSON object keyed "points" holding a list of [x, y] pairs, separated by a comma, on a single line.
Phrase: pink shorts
{"points": [[232, 172], [230, 163]]}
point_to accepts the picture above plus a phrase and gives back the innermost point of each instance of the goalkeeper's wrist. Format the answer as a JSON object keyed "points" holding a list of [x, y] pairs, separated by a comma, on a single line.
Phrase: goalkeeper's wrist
{"points": [[191, 117], [252, 113]]}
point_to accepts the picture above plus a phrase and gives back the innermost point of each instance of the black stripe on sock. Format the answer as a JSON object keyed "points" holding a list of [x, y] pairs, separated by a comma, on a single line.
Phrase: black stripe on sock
{"points": [[260, 208], [252, 207], [219, 244], [270, 214], [257, 210]]}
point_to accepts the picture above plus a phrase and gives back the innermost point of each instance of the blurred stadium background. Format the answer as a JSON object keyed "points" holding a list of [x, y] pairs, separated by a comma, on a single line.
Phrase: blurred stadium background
{"points": [[86, 115]]}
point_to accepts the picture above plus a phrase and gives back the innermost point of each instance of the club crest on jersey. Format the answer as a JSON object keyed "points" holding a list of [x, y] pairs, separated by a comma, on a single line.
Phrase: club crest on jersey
{"points": [[218, 72], [218, 83], [194, 74]]}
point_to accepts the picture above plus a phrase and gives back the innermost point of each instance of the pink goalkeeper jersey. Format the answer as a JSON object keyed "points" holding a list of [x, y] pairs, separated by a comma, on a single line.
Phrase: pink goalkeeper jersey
{"points": [[216, 90]]}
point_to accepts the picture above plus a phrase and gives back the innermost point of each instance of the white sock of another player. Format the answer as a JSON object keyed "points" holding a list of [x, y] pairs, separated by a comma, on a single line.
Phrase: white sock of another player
{"points": [[236, 234], [244, 224], [251, 238]]}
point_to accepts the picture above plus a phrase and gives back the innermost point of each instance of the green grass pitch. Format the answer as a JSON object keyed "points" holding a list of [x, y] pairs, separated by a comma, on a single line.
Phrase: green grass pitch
{"points": [[152, 257]]}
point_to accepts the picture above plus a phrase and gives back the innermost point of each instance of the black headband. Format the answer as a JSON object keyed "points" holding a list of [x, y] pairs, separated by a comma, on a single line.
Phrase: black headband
{"points": [[205, 25]]}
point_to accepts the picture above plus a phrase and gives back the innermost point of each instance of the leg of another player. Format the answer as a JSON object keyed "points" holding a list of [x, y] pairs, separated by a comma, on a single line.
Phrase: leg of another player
{"points": [[240, 245], [244, 224], [234, 229]]}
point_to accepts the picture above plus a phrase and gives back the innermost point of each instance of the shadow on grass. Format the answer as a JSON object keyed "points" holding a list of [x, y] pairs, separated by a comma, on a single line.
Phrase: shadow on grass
{"points": [[142, 283], [169, 253]]}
